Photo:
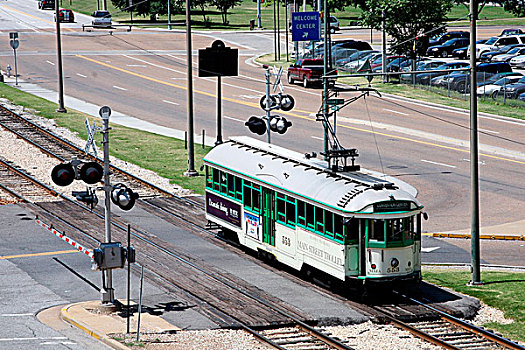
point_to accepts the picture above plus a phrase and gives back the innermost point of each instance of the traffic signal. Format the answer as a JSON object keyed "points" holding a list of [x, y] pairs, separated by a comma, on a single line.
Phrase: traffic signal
{"points": [[256, 125], [91, 172], [123, 197], [63, 174], [279, 124]]}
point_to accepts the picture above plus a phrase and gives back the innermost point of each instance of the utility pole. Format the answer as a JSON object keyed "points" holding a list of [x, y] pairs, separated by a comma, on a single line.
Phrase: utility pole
{"points": [[474, 166], [191, 157], [61, 108]]}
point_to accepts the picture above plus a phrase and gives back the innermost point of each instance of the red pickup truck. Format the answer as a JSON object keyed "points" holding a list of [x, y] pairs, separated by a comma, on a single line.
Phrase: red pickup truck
{"points": [[307, 70]]}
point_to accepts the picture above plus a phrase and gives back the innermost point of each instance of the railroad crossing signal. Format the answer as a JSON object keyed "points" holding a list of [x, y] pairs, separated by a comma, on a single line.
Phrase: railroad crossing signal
{"points": [[65, 173]]}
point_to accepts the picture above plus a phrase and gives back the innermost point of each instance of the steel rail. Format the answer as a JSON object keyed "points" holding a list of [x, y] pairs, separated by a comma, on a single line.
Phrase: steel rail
{"points": [[29, 178], [509, 344]]}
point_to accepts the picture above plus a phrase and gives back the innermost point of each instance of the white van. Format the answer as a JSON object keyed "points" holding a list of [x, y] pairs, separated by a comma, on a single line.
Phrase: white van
{"points": [[496, 42]]}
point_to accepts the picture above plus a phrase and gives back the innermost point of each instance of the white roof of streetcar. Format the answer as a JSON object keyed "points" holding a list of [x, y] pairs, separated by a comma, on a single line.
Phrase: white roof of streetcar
{"points": [[290, 171]]}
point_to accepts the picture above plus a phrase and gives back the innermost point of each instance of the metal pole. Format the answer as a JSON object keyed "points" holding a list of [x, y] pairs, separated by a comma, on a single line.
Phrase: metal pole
{"points": [[474, 166], [274, 34], [268, 104], [129, 281], [169, 15], [259, 14], [325, 80], [287, 26], [219, 112], [383, 60], [140, 300], [108, 293], [191, 161], [61, 108], [16, 69]]}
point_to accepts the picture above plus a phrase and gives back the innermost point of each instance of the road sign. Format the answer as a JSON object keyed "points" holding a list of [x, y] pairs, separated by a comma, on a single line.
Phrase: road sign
{"points": [[335, 101], [306, 26], [14, 44]]}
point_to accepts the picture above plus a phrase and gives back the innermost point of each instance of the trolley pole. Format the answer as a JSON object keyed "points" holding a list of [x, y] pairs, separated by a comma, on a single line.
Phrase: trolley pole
{"points": [[61, 108], [108, 296], [474, 166]]}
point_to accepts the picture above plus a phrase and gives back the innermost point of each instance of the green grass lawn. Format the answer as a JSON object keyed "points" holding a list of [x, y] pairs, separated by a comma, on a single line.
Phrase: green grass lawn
{"points": [[164, 155], [502, 290]]}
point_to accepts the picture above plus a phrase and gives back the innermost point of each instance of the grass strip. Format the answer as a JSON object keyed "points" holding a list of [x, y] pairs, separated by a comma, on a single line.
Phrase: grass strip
{"points": [[165, 156], [502, 290]]}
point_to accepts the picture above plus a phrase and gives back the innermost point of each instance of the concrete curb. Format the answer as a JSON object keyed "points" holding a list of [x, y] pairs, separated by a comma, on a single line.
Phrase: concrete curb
{"points": [[66, 316], [483, 236]]}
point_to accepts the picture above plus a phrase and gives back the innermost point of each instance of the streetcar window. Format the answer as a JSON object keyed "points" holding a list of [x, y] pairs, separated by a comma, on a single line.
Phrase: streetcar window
{"points": [[377, 230], [338, 227], [329, 223], [319, 220], [301, 218], [224, 183], [216, 175], [209, 178], [310, 218], [290, 211], [238, 188], [281, 208], [352, 231]]}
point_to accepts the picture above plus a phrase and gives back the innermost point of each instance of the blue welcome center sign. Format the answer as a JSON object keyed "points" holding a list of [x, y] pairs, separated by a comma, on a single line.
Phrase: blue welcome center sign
{"points": [[305, 26]]}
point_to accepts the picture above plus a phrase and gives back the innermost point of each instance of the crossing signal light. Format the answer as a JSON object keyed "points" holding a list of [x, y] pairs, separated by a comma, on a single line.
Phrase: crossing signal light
{"points": [[63, 174], [123, 197], [279, 124], [91, 173], [256, 125]]}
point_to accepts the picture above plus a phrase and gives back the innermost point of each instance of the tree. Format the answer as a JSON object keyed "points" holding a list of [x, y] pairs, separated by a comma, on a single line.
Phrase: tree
{"points": [[406, 19], [224, 6]]}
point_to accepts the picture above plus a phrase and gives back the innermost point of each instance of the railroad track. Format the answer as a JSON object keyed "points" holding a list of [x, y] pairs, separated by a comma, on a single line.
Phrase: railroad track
{"points": [[449, 332], [20, 186], [63, 150]]}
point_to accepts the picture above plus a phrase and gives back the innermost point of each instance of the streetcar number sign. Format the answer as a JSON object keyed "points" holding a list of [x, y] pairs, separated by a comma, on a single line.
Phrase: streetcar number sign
{"points": [[305, 26]]}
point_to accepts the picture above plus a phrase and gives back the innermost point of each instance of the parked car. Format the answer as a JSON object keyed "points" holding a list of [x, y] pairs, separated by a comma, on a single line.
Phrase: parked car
{"points": [[496, 42], [424, 78], [511, 31], [46, 4], [487, 56], [65, 15], [513, 90], [445, 49], [518, 61], [506, 57], [494, 88], [101, 18], [442, 38]]}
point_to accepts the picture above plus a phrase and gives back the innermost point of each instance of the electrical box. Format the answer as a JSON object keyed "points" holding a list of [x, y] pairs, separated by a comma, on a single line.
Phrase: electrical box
{"points": [[109, 256]]}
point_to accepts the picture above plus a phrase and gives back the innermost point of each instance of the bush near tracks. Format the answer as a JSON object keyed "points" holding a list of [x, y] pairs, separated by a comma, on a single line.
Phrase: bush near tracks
{"points": [[502, 290], [164, 155]]}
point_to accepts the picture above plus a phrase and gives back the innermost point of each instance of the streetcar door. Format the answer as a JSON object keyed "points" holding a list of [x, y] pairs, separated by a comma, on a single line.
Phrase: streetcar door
{"points": [[268, 213]]}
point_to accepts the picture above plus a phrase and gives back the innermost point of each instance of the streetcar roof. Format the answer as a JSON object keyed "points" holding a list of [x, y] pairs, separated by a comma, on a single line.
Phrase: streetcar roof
{"points": [[311, 179]]}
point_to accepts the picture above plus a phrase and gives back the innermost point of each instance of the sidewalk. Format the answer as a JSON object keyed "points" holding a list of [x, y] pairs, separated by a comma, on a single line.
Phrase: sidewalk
{"points": [[106, 327]]}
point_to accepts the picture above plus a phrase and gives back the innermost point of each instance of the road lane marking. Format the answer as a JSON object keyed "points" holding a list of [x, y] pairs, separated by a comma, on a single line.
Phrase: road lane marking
{"points": [[436, 163], [256, 106], [81, 75], [120, 88], [170, 102], [51, 63], [395, 112], [231, 118], [38, 254]]}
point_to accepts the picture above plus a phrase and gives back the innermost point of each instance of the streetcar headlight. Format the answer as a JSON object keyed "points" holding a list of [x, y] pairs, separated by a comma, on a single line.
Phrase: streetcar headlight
{"points": [[394, 262]]}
